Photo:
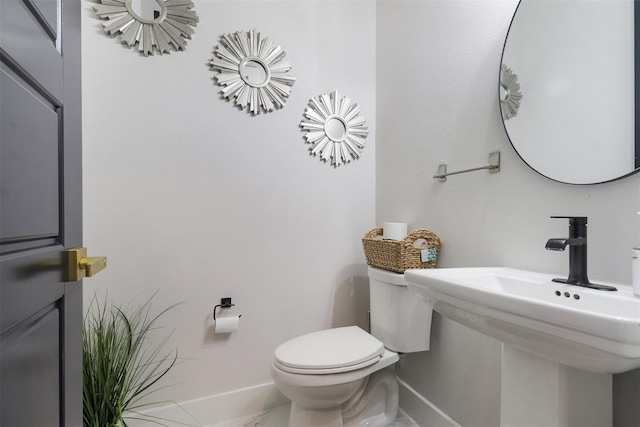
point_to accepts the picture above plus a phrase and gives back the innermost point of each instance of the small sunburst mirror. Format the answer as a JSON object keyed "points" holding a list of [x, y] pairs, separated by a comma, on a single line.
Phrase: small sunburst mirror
{"points": [[510, 95], [253, 71], [334, 128], [154, 25]]}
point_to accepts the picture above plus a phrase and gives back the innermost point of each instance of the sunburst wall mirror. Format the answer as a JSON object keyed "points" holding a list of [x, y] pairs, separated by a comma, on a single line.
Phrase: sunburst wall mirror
{"points": [[510, 95], [154, 25], [252, 69], [334, 128]]}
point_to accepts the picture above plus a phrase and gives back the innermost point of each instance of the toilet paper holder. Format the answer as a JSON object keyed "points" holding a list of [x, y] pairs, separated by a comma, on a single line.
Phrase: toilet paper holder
{"points": [[224, 303]]}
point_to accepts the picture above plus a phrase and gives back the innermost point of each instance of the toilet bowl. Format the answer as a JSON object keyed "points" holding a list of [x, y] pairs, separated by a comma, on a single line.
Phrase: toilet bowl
{"points": [[344, 377], [344, 367]]}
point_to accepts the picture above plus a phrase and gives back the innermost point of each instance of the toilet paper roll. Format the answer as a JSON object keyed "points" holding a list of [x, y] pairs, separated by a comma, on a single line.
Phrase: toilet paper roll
{"points": [[226, 325], [394, 230]]}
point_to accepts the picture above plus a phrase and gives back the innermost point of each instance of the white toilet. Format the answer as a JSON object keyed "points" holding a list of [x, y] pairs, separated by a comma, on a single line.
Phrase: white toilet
{"points": [[343, 377]]}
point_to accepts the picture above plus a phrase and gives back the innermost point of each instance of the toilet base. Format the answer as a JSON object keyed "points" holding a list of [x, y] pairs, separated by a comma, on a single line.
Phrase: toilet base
{"points": [[305, 417], [375, 404], [378, 404]]}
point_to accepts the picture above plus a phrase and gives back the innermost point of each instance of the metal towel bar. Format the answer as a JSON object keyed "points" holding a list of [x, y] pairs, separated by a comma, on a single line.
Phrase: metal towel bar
{"points": [[493, 167]]}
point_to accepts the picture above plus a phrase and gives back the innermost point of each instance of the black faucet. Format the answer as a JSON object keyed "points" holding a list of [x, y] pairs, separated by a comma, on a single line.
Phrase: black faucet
{"points": [[577, 242]]}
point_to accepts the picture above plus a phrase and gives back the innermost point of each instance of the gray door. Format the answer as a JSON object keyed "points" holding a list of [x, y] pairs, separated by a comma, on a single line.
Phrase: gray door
{"points": [[40, 213]]}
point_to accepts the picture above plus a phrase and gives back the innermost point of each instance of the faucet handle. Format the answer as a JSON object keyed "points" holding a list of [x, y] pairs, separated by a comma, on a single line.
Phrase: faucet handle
{"points": [[574, 220]]}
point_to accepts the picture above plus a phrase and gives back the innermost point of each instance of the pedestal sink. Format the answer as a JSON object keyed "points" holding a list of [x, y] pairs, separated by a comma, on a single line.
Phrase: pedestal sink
{"points": [[583, 328]]}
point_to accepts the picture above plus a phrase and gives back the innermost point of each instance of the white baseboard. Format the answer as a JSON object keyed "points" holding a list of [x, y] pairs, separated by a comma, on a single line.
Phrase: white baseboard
{"points": [[212, 409], [423, 412]]}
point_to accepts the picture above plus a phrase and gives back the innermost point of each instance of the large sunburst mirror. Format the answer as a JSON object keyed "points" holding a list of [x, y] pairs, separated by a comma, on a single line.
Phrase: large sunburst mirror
{"points": [[510, 95], [334, 128], [252, 69], [154, 25]]}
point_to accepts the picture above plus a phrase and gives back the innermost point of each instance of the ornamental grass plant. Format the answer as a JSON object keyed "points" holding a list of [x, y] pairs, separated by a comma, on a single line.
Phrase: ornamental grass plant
{"points": [[123, 361]]}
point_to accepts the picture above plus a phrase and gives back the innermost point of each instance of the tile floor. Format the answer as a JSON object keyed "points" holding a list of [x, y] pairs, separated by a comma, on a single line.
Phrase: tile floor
{"points": [[279, 417]]}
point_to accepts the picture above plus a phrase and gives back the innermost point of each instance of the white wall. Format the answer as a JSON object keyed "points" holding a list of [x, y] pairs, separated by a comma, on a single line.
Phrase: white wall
{"points": [[446, 90], [192, 198], [188, 196]]}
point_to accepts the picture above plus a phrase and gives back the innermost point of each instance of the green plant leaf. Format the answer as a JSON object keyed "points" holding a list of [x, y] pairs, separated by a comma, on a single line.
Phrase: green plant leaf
{"points": [[119, 367]]}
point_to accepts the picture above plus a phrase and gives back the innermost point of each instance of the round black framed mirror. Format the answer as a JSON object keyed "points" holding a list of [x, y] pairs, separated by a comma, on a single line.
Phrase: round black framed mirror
{"points": [[574, 62]]}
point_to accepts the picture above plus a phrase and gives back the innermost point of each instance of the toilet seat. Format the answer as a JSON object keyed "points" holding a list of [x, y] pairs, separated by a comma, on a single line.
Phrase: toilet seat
{"points": [[330, 351], [321, 371]]}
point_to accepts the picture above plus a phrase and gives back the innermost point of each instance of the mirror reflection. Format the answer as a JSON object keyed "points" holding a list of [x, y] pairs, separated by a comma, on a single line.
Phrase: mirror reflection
{"points": [[510, 95], [254, 72], [576, 123], [335, 128], [504, 92], [146, 10]]}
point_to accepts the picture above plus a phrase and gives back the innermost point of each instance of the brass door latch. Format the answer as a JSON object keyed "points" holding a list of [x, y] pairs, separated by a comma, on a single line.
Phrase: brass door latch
{"points": [[81, 266]]}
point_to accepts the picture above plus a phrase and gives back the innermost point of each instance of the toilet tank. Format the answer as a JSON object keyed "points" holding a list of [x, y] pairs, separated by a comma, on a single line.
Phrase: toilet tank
{"points": [[398, 317]]}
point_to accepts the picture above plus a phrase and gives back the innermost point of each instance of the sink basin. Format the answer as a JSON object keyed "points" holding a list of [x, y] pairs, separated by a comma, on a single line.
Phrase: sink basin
{"points": [[588, 329]]}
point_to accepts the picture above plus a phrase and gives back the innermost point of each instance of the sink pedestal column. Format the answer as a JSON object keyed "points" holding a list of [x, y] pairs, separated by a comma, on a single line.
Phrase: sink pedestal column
{"points": [[539, 392]]}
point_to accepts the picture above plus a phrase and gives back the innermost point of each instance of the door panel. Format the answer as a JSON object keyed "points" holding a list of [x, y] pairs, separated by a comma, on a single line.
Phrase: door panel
{"points": [[30, 139], [41, 213], [49, 12], [28, 45], [31, 280], [31, 358]]}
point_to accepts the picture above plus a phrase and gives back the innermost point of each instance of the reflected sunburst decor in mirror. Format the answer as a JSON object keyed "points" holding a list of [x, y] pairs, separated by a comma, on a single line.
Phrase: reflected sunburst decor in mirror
{"points": [[510, 95], [155, 25], [252, 70], [334, 128]]}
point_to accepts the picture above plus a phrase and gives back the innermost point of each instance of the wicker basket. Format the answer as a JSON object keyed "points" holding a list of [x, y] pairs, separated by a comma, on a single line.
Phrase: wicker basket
{"points": [[399, 255]]}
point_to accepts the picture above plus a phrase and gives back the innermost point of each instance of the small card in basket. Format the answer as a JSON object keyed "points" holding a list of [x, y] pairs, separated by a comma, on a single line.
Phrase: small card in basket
{"points": [[428, 255]]}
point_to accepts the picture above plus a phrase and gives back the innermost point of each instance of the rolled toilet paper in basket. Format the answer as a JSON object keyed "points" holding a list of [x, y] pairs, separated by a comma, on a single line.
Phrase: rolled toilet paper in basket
{"points": [[394, 230]]}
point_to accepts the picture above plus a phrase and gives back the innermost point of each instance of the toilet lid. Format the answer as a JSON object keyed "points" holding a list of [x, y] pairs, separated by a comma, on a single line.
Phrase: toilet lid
{"points": [[332, 350]]}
